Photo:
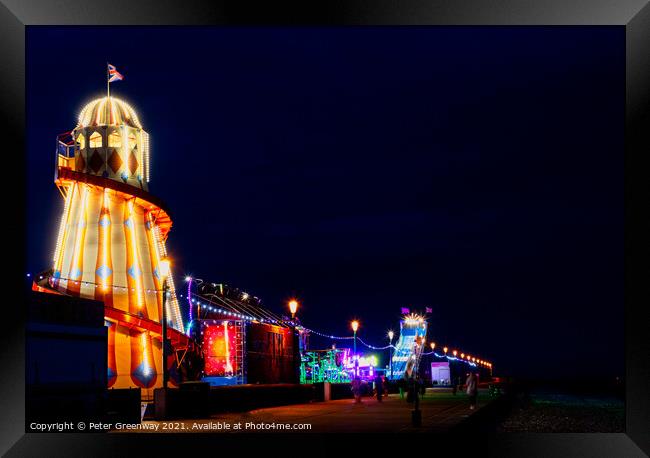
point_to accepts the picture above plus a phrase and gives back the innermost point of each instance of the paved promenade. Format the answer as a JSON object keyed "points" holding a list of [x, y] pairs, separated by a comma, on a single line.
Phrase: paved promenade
{"points": [[440, 411]]}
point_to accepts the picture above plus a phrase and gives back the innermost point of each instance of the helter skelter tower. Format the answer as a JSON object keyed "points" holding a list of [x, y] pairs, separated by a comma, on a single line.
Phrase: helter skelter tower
{"points": [[112, 236]]}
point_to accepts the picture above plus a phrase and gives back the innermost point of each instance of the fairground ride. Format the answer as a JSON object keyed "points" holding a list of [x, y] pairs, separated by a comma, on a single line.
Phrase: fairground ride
{"points": [[409, 347], [111, 241]]}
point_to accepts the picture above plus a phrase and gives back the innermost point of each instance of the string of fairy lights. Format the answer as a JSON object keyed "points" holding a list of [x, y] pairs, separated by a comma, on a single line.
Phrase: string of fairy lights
{"points": [[210, 306], [328, 336], [456, 355], [98, 285], [376, 348]]}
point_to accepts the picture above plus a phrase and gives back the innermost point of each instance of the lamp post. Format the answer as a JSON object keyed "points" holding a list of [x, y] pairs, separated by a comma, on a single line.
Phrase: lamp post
{"points": [[164, 273], [390, 352], [355, 326]]}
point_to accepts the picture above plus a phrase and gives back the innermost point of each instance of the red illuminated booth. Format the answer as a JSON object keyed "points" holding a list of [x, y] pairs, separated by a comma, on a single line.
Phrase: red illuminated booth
{"points": [[241, 341]]}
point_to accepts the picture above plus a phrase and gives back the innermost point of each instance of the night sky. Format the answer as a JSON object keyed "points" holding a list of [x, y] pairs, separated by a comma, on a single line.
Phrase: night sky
{"points": [[476, 171]]}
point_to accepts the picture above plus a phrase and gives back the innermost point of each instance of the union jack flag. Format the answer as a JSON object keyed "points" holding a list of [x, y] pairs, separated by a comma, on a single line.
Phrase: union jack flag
{"points": [[428, 310], [113, 74], [405, 310]]}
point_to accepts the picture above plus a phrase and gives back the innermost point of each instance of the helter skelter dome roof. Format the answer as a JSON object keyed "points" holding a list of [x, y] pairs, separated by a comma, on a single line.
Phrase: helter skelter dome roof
{"points": [[108, 111]]}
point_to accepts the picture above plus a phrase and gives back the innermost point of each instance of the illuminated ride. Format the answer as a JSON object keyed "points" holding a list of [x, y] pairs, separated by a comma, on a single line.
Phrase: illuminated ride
{"points": [[332, 365], [240, 340], [366, 367], [409, 347], [336, 365], [111, 240]]}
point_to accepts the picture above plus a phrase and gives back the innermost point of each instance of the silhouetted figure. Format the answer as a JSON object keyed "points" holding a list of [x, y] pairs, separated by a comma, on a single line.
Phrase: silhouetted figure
{"points": [[456, 384], [410, 390], [420, 386], [356, 389], [379, 387]]}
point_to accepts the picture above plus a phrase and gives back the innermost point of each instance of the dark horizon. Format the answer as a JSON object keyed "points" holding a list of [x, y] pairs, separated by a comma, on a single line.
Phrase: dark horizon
{"points": [[476, 171]]}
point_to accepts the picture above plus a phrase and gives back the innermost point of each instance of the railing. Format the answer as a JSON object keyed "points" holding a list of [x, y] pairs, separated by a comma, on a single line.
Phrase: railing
{"points": [[64, 153]]}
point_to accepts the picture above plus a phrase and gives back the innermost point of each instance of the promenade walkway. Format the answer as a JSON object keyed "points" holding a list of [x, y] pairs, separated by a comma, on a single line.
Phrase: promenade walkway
{"points": [[440, 412]]}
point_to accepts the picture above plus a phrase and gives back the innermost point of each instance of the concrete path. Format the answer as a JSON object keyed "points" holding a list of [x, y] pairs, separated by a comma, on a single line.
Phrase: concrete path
{"points": [[440, 411]]}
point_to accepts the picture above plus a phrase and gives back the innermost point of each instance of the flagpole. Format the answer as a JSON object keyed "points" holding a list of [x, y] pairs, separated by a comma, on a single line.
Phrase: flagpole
{"points": [[108, 82]]}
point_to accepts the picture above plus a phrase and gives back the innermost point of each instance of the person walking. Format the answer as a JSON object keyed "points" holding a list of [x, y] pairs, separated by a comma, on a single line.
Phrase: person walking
{"points": [[472, 389], [356, 389], [421, 387], [410, 390], [379, 387], [457, 384]]}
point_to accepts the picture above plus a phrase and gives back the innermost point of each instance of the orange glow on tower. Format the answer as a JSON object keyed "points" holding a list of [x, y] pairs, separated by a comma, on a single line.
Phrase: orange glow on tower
{"points": [[111, 237]]}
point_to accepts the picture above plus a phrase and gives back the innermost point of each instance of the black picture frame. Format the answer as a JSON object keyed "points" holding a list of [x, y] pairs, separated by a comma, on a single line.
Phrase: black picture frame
{"points": [[633, 15]]}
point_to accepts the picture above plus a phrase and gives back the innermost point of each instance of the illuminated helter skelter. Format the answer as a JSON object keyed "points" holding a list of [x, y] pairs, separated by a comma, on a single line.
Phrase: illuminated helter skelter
{"points": [[112, 236], [409, 348]]}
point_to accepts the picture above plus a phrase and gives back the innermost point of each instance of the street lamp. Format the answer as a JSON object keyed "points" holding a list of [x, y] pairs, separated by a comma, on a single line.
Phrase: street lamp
{"points": [[293, 307], [433, 346], [164, 273], [391, 334], [355, 326], [445, 349], [454, 352]]}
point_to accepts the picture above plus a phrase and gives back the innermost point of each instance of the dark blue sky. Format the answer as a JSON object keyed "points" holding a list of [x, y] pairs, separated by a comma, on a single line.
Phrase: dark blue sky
{"points": [[478, 171]]}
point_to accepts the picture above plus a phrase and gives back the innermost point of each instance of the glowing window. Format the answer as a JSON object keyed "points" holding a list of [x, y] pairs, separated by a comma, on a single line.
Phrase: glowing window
{"points": [[96, 140], [115, 140], [81, 141], [132, 141]]}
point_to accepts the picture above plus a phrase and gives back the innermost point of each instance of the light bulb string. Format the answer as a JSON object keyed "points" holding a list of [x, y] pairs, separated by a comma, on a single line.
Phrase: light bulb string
{"points": [[100, 285], [250, 318], [438, 355]]}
